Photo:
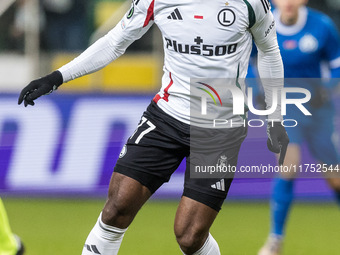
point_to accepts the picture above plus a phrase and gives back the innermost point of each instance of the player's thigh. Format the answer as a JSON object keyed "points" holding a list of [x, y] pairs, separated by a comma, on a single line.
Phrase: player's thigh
{"points": [[137, 175], [146, 161], [193, 221]]}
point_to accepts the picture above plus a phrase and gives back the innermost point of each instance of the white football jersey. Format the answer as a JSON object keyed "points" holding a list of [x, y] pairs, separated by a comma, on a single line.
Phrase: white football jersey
{"points": [[202, 39]]}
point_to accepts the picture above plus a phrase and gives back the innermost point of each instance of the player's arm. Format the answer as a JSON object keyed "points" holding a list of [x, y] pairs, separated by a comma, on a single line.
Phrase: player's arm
{"points": [[270, 68], [331, 50], [108, 48], [331, 55]]}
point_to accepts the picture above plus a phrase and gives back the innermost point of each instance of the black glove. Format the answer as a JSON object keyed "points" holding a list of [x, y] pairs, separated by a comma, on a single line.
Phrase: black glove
{"points": [[320, 97], [40, 87], [277, 140]]}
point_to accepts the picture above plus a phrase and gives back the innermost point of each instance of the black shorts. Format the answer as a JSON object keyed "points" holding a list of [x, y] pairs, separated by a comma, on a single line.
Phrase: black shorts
{"points": [[160, 143]]}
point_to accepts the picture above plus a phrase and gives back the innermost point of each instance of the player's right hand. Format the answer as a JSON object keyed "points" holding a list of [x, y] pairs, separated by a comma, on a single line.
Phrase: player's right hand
{"points": [[277, 140], [39, 87]]}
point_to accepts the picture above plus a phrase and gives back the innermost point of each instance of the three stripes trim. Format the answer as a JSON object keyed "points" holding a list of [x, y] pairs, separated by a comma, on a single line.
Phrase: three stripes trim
{"points": [[92, 248], [176, 15]]}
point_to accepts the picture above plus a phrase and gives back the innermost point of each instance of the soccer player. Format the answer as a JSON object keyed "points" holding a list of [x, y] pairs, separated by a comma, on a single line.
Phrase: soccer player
{"points": [[209, 39], [10, 244], [306, 39]]}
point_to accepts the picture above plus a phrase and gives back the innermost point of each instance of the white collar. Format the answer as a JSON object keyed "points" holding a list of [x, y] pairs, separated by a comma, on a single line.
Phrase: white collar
{"points": [[293, 29]]}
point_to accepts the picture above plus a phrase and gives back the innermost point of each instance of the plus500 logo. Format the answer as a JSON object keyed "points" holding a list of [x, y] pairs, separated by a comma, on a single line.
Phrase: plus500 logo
{"points": [[199, 48], [82, 141]]}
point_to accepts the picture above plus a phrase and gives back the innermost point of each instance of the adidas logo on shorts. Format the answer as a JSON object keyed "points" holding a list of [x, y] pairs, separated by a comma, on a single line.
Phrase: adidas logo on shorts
{"points": [[220, 185]]}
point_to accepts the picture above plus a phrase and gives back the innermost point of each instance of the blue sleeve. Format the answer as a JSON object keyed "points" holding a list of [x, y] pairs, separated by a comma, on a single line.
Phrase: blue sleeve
{"points": [[331, 51], [335, 72]]}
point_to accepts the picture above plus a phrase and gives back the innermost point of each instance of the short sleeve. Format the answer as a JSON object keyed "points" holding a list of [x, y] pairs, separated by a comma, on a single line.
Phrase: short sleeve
{"points": [[331, 50]]}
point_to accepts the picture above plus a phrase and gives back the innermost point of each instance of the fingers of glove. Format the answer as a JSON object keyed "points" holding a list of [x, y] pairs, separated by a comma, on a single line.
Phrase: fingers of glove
{"points": [[24, 92], [35, 94], [27, 102], [21, 98], [28, 89]]}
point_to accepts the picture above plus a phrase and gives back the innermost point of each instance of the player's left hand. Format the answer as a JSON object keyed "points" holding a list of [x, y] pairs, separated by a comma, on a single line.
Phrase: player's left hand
{"points": [[39, 87], [277, 140]]}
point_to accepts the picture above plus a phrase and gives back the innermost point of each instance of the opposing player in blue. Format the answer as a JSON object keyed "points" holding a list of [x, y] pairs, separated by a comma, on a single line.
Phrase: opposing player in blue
{"points": [[307, 39]]}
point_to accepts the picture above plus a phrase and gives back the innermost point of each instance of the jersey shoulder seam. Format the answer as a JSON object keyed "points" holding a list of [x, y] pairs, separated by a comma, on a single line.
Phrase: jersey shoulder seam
{"points": [[251, 14]]}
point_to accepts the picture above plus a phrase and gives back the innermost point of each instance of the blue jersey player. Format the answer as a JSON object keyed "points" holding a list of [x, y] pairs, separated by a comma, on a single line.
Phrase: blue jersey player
{"points": [[307, 39]]}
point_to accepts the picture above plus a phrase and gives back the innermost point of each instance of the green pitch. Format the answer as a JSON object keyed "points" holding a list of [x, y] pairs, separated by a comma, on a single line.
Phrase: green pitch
{"points": [[54, 227]]}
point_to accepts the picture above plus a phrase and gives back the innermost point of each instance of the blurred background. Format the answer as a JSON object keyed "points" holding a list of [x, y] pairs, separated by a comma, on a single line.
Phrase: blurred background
{"points": [[56, 158]]}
